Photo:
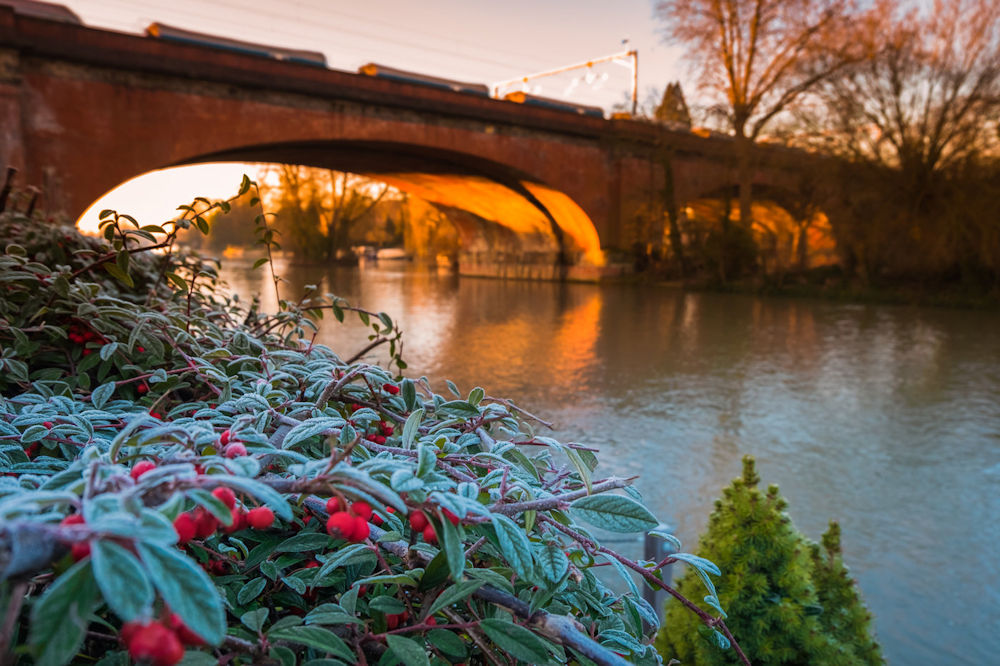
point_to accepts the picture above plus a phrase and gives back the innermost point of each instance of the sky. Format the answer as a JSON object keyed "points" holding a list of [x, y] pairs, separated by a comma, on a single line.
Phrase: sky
{"points": [[478, 41]]}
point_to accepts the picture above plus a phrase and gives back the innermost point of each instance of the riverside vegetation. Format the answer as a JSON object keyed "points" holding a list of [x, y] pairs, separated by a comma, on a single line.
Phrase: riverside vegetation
{"points": [[187, 478], [790, 600]]}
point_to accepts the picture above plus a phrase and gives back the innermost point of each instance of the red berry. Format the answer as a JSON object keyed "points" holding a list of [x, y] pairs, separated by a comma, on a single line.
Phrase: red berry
{"points": [[392, 621], [224, 437], [429, 535], [73, 519], [377, 519], [362, 508], [186, 636], [311, 564], [260, 518], [32, 449], [431, 621], [48, 424], [140, 349], [239, 521], [80, 550], [390, 388], [450, 516], [386, 428], [185, 527], [234, 449], [390, 509], [340, 524], [156, 644], [418, 521], [205, 523], [142, 388], [361, 529], [141, 468], [226, 496], [87, 352], [334, 505], [128, 631]]}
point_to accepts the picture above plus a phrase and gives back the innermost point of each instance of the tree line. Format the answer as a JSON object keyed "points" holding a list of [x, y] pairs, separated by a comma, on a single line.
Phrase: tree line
{"points": [[905, 95]]}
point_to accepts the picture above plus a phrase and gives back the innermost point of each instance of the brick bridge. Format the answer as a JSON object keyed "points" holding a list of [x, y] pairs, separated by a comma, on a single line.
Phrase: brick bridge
{"points": [[83, 110]]}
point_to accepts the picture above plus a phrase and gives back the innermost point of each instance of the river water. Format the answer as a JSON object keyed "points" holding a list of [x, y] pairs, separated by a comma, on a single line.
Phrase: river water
{"points": [[885, 418]]}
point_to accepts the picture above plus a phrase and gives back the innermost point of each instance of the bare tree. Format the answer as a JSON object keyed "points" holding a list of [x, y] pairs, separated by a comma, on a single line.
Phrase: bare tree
{"points": [[757, 57], [923, 109], [320, 208], [928, 96]]}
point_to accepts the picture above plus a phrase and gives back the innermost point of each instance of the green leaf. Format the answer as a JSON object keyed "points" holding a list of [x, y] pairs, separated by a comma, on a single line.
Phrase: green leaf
{"points": [[448, 642], [552, 562], [33, 434], [310, 428], [515, 640], [123, 581], [345, 556], [60, 618], [454, 549], [409, 392], [459, 408], [304, 542], [251, 591], [426, 459], [410, 652], [615, 513], [411, 428], [187, 590], [179, 281], [514, 544], [699, 562], [254, 620], [100, 395], [108, 350], [454, 594], [322, 639], [581, 467]]}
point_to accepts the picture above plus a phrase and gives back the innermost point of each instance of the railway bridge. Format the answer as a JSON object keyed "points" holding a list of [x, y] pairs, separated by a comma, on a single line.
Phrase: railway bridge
{"points": [[83, 110]]}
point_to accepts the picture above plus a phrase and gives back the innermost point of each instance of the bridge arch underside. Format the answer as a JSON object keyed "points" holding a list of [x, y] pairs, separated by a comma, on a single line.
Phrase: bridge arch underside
{"points": [[476, 194], [790, 232]]}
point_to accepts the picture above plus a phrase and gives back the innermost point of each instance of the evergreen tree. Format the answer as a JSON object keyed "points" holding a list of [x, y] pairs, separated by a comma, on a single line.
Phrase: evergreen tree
{"points": [[768, 588], [673, 110], [844, 616]]}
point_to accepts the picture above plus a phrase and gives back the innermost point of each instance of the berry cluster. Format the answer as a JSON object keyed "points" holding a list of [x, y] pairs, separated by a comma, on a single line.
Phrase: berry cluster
{"points": [[384, 430], [81, 335], [348, 523], [420, 523], [200, 524], [231, 448], [158, 643]]}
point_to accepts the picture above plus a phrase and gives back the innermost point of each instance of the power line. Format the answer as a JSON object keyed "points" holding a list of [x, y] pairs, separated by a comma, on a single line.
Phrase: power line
{"points": [[296, 35]]}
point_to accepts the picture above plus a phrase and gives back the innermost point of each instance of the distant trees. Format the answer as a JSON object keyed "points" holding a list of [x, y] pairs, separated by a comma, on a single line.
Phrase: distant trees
{"points": [[922, 108], [757, 57], [318, 209]]}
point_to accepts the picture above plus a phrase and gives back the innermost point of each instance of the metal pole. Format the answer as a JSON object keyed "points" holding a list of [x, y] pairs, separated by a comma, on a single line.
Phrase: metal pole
{"points": [[654, 550], [635, 81]]}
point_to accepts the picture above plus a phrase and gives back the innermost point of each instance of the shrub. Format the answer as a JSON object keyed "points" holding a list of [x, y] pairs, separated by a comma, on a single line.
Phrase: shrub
{"points": [[789, 601], [186, 477]]}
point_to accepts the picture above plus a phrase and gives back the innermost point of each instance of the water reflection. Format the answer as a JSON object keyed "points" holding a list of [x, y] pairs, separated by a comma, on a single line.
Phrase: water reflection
{"points": [[885, 418]]}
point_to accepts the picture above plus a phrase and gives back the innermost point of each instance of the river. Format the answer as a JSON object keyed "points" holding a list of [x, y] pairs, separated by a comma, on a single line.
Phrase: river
{"points": [[885, 418]]}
